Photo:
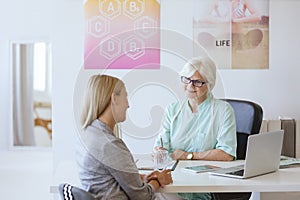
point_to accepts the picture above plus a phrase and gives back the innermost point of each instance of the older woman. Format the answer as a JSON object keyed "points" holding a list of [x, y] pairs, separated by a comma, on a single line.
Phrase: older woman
{"points": [[199, 127], [106, 166]]}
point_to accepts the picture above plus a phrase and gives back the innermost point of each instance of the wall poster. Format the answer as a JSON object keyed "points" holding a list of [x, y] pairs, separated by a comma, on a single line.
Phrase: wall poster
{"points": [[235, 33], [122, 34]]}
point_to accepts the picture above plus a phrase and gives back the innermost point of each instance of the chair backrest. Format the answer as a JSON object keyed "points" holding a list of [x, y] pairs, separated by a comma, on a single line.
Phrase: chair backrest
{"points": [[248, 117], [69, 192]]}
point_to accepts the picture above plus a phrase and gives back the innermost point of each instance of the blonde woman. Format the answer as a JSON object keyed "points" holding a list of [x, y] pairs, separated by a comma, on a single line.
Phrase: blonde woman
{"points": [[106, 166]]}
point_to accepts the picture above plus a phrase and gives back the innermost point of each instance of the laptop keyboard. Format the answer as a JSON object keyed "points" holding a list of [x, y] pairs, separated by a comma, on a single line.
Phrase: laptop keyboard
{"points": [[236, 170], [238, 173]]}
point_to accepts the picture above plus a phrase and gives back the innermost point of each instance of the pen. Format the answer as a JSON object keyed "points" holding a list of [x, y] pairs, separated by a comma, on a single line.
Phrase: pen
{"points": [[146, 168], [161, 142]]}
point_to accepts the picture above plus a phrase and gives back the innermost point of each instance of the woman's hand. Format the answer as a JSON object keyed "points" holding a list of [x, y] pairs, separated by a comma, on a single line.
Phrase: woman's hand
{"points": [[164, 177], [157, 148], [179, 155]]}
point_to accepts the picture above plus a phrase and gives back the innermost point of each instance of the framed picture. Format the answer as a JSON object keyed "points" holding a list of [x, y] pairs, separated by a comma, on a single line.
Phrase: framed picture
{"points": [[234, 32]]}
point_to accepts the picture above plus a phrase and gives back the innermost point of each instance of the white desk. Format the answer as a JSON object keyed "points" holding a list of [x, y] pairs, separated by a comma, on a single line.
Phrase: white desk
{"points": [[284, 180]]}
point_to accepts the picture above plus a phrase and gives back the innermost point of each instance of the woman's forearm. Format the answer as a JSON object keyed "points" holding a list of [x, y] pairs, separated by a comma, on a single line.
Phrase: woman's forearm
{"points": [[213, 155]]}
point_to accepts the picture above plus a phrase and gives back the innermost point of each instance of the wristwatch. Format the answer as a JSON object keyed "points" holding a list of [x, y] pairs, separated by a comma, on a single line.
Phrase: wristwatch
{"points": [[189, 156]]}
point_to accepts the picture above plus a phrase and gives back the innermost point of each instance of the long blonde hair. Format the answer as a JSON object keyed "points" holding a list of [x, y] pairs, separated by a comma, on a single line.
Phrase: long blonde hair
{"points": [[98, 96]]}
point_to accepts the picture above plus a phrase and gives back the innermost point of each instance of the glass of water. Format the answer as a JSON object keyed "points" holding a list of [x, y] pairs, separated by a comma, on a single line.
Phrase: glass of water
{"points": [[160, 159]]}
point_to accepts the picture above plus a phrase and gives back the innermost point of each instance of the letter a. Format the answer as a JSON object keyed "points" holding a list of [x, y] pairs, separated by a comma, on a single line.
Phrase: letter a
{"points": [[110, 7]]}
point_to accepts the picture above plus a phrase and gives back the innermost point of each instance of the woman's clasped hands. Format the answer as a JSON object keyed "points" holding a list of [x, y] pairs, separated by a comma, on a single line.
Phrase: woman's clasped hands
{"points": [[163, 177]]}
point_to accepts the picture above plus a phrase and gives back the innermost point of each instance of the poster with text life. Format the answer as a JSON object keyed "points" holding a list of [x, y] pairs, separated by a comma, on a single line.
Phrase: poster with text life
{"points": [[235, 33], [122, 34]]}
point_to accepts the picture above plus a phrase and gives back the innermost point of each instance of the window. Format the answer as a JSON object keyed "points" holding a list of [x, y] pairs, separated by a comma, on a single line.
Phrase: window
{"points": [[41, 68]]}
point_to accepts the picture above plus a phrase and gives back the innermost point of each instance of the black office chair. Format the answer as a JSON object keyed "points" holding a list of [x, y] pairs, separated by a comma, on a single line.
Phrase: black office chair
{"points": [[69, 192], [248, 117]]}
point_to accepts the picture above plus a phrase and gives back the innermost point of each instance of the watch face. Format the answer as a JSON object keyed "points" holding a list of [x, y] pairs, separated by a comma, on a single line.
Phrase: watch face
{"points": [[189, 156]]}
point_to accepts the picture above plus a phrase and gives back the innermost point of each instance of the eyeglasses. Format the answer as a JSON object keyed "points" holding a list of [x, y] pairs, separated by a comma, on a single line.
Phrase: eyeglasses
{"points": [[196, 83]]}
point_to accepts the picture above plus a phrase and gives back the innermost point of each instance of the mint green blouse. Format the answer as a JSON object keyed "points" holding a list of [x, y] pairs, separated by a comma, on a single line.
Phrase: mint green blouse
{"points": [[212, 127]]}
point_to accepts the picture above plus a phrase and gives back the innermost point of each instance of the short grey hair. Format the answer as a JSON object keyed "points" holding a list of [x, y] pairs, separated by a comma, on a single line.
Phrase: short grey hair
{"points": [[204, 65]]}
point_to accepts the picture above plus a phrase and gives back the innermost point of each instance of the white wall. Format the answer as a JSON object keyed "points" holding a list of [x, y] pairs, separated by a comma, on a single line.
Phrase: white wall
{"points": [[276, 89], [67, 60]]}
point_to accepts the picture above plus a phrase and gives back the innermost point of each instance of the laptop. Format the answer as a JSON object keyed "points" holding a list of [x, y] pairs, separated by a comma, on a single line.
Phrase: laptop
{"points": [[262, 156]]}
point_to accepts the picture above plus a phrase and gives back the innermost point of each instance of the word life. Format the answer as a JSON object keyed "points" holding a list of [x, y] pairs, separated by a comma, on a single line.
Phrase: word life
{"points": [[221, 43]]}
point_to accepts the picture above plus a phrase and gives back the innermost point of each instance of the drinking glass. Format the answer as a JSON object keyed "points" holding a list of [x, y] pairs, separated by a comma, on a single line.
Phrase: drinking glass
{"points": [[160, 159]]}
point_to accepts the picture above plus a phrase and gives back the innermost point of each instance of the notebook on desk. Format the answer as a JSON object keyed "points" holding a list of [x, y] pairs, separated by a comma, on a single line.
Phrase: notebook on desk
{"points": [[262, 156]]}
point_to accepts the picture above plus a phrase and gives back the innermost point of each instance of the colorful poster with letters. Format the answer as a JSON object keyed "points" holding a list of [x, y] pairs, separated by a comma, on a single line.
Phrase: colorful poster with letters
{"points": [[234, 32], [122, 34]]}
